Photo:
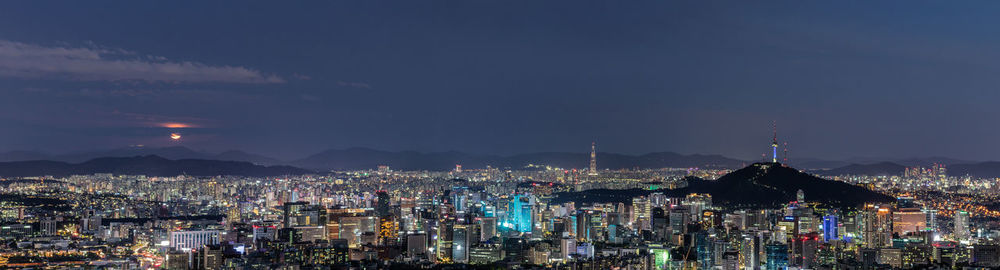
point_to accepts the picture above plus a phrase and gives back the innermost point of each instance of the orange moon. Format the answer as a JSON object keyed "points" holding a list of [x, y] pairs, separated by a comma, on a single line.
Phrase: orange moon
{"points": [[175, 136]]}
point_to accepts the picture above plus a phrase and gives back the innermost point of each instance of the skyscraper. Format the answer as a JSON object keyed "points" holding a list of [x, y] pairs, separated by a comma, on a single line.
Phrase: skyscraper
{"points": [[962, 226], [777, 256], [382, 205], [830, 228], [593, 159]]}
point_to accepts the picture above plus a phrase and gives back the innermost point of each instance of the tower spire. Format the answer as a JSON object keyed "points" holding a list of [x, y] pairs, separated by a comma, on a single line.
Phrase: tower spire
{"points": [[774, 143], [593, 159]]}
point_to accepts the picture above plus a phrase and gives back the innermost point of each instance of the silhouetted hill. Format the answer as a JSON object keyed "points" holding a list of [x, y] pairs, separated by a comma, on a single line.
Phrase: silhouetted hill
{"points": [[364, 158], [989, 169], [881, 168], [144, 165], [758, 185]]}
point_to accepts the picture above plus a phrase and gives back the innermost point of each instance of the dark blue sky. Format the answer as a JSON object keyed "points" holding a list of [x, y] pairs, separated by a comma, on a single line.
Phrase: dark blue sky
{"points": [[841, 78]]}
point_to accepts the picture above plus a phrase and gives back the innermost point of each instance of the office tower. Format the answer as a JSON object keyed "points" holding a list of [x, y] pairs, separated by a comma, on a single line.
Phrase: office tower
{"points": [[641, 213], [388, 231], [519, 214], [210, 257], [583, 226], [460, 244], [704, 247], [661, 258], [661, 224], [749, 252], [804, 250], [962, 232], [830, 228], [931, 215], [593, 159], [383, 207], [445, 240], [416, 245], [731, 260], [876, 226], [191, 240], [777, 256], [177, 260], [567, 247], [303, 214], [487, 227], [908, 220], [679, 219]]}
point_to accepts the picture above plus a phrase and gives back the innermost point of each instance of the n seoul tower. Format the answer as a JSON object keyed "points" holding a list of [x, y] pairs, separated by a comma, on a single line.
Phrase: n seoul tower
{"points": [[774, 144]]}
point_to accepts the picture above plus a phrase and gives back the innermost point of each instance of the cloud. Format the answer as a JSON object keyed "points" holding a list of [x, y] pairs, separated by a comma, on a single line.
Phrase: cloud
{"points": [[21, 60], [359, 85]]}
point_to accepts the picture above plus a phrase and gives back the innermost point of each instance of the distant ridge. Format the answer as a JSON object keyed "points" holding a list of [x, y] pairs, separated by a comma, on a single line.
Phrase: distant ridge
{"points": [[144, 165], [364, 158], [757, 185], [881, 168], [989, 169], [173, 152]]}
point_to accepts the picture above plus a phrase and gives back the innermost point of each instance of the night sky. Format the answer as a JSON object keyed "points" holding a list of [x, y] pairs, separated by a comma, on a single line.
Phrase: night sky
{"points": [[287, 79]]}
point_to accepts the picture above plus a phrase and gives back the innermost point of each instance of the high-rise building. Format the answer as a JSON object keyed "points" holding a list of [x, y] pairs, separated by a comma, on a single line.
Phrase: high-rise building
{"points": [[383, 203], [777, 257], [416, 245], [908, 220], [519, 213], [460, 244], [487, 228], [962, 232], [192, 240], [876, 226], [593, 159], [830, 228]]}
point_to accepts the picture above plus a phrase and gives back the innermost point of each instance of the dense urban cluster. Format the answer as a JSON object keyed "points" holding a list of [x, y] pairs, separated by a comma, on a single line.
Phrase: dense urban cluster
{"points": [[488, 218]]}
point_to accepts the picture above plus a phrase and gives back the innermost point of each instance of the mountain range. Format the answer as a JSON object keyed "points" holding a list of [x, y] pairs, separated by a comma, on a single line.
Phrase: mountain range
{"points": [[144, 165], [174, 152], [366, 158]]}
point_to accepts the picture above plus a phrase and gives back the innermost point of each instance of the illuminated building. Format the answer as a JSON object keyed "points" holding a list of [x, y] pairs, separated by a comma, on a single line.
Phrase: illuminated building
{"points": [[487, 228], [774, 145], [876, 226], [460, 244], [661, 257], [416, 245], [519, 214], [383, 204], [777, 257], [830, 228], [961, 221], [485, 254], [388, 231], [908, 220], [593, 160], [191, 240]]}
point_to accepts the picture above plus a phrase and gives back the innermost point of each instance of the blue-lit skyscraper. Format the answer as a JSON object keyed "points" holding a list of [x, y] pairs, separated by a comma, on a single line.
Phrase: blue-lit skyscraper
{"points": [[830, 228], [704, 248], [777, 257], [519, 214]]}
